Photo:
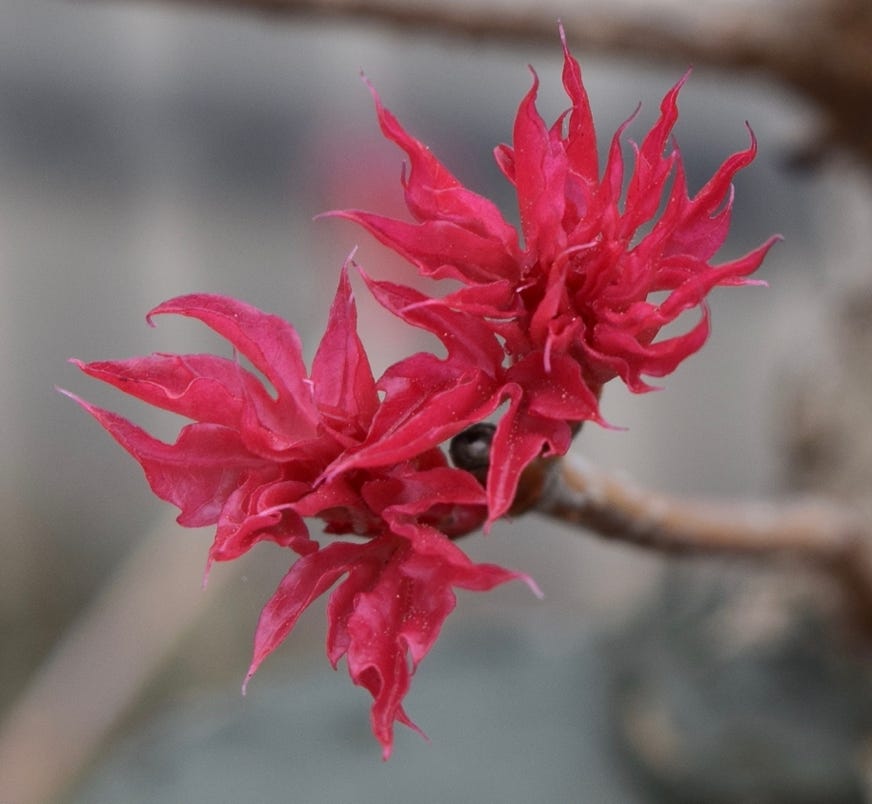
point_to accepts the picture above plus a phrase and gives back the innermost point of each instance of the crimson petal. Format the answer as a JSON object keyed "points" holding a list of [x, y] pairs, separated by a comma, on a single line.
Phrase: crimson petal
{"points": [[197, 474], [268, 341], [342, 379], [205, 388]]}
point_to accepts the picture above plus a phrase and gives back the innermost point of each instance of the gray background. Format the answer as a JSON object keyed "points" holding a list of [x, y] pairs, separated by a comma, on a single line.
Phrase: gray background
{"points": [[147, 152]]}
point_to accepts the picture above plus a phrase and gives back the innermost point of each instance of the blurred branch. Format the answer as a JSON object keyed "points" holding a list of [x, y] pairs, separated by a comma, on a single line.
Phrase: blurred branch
{"points": [[613, 506], [102, 665], [828, 536], [821, 49]]}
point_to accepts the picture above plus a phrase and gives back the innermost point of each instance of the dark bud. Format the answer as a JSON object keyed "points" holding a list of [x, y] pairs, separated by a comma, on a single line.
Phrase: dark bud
{"points": [[470, 450]]}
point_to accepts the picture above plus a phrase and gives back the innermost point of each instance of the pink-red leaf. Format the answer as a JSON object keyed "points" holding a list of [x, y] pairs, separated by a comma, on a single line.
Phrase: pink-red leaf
{"points": [[197, 474], [342, 380], [269, 342]]}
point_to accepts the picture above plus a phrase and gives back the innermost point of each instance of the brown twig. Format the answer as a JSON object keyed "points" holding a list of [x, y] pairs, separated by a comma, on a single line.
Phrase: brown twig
{"points": [[578, 493], [101, 666], [824, 534], [819, 48]]}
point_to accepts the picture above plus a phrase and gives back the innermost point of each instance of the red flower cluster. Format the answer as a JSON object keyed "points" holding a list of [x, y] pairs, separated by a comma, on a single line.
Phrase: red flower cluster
{"points": [[570, 307], [540, 326], [254, 465]]}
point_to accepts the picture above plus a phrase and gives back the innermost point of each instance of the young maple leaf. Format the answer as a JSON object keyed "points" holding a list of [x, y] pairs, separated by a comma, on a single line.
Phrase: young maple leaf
{"points": [[572, 303], [253, 463]]}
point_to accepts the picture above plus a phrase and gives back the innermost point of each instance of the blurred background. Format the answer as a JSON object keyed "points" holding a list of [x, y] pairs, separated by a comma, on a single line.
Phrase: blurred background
{"points": [[148, 151]]}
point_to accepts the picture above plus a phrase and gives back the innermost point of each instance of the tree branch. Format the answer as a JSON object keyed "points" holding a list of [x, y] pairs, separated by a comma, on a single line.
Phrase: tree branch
{"points": [[579, 494], [102, 664], [818, 48], [826, 535]]}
